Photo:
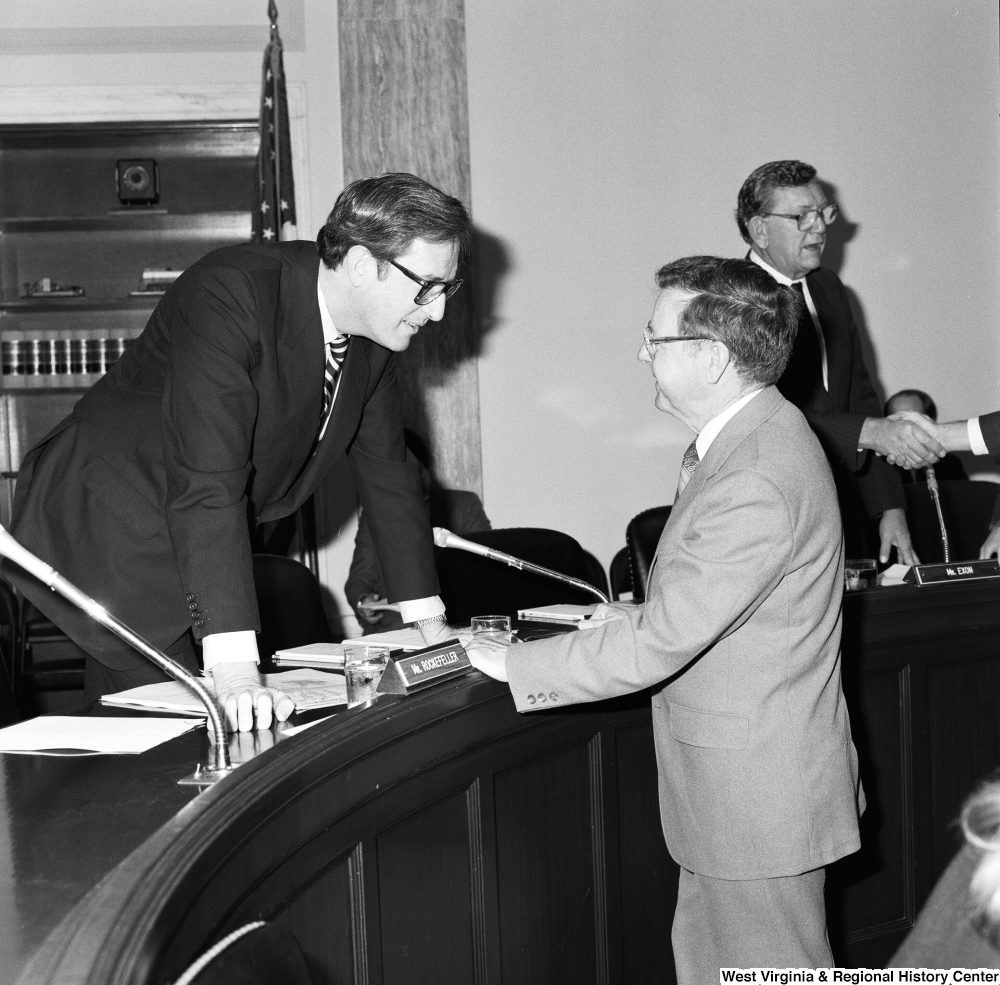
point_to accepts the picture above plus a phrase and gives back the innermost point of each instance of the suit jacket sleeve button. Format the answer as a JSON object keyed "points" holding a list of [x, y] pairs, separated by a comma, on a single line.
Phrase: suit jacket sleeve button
{"points": [[541, 699], [199, 622], [531, 699], [553, 696], [190, 598]]}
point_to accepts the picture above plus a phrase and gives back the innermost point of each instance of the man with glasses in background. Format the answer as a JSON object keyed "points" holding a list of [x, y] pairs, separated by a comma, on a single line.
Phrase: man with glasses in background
{"points": [[738, 638], [783, 213], [260, 368]]}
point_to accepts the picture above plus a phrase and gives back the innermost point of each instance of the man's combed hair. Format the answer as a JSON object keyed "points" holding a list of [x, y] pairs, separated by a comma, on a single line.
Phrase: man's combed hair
{"points": [[741, 305], [386, 214], [755, 195]]}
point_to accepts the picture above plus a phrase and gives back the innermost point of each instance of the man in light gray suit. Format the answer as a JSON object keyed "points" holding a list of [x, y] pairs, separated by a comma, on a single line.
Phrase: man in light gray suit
{"points": [[739, 636]]}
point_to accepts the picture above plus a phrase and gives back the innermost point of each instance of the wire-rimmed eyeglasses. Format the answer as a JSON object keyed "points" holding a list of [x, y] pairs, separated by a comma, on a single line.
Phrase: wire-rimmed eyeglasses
{"points": [[430, 290], [654, 340], [806, 220]]}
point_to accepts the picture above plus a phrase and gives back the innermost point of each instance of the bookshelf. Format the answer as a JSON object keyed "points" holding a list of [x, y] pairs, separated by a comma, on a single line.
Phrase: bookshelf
{"points": [[73, 255]]}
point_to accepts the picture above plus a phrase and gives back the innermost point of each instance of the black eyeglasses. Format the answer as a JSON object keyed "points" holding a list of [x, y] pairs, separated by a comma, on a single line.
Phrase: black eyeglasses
{"points": [[430, 290], [651, 340], [806, 220]]}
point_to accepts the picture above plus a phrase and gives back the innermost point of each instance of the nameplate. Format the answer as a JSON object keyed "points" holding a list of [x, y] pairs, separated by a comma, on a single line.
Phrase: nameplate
{"points": [[935, 574], [413, 671]]}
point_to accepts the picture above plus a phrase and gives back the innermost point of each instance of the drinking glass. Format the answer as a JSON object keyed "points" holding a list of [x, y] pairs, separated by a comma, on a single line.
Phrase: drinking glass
{"points": [[491, 627], [860, 573], [363, 667]]}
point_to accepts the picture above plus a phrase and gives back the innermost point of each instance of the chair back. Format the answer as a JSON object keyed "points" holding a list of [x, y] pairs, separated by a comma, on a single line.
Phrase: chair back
{"points": [[967, 507], [621, 575], [256, 954], [290, 602], [472, 585], [642, 535]]}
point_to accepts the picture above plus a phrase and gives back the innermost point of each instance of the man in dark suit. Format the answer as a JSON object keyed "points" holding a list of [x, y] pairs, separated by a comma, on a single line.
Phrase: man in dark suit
{"points": [[783, 213], [259, 367], [979, 435], [738, 638]]}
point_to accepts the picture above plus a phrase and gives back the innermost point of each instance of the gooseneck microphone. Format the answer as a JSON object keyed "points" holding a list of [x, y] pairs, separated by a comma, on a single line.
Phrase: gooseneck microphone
{"points": [[932, 488], [445, 538], [10, 548]]}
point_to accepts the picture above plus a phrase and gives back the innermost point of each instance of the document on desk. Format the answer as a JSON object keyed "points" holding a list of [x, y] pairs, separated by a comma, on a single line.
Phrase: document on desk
{"points": [[307, 689], [65, 735], [408, 638]]}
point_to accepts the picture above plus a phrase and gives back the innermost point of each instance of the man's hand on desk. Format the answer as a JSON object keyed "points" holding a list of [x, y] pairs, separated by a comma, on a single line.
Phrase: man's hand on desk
{"points": [[902, 440], [893, 532], [991, 545], [489, 656], [242, 697]]}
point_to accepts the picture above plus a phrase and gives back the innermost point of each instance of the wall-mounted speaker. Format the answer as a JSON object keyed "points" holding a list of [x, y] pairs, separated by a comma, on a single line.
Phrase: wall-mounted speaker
{"points": [[138, 181]]}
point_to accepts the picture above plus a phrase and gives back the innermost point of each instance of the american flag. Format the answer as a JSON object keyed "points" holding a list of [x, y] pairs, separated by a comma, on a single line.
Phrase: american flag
{"points": [[274, 197]]}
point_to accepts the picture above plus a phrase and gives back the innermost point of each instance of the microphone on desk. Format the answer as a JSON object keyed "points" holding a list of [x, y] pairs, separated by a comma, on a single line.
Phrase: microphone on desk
{"points": [[932, 488], [11, 549], [445, 538]]}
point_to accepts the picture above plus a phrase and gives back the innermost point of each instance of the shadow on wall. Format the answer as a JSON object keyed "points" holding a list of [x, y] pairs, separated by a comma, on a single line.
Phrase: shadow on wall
{"points": [[842, 232]]}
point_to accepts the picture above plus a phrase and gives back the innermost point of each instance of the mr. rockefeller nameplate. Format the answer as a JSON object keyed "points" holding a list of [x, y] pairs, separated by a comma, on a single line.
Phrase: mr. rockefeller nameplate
{"points": [[409, 672]]}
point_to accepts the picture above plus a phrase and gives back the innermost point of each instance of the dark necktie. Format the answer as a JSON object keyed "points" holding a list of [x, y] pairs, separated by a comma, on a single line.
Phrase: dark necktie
{"points": [[804, 373], [335, 353], [688, 464]]}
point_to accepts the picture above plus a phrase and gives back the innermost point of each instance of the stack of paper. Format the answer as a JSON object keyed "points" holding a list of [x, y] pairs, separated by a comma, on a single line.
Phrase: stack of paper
{"points": [[408, 638], [323, 655], [308, 689], [562, 613], [61, 735]]}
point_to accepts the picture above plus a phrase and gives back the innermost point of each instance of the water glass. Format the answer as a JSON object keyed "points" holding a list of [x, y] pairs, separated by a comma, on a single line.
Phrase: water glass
{"points": [[860, 573], [363, 667], [491, 627]]}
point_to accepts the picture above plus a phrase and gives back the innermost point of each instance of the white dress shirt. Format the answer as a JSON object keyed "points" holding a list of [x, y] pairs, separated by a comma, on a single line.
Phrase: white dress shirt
{"points": [[711, 430], [241, 646], [976, 442], [787, 281]]}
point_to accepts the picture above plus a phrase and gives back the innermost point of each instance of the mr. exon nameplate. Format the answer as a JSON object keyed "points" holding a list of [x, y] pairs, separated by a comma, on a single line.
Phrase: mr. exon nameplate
{"points": [[409, 672], [935, 574]]}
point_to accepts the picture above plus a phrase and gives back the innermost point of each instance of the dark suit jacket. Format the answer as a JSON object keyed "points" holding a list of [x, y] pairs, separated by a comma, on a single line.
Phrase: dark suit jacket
{"points": [[837, 415], [739, 639], [456, 509], [989, 424], [143, 495]]}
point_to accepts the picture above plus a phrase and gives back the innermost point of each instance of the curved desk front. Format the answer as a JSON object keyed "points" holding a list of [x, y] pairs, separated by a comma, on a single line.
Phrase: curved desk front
{"points": [[443, 837]]}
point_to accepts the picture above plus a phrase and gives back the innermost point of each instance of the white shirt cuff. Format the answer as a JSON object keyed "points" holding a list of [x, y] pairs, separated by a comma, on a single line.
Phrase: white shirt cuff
{"points": [[415, 609], [976, 442], [229, 648]]}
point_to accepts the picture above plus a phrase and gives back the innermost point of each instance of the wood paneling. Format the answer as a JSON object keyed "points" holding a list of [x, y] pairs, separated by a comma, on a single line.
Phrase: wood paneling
{"points": [[404, 107], [648, 873]]}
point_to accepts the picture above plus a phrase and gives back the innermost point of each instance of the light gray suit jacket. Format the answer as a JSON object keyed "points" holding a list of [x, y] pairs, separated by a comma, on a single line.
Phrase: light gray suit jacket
{"points": [[739, 639]]}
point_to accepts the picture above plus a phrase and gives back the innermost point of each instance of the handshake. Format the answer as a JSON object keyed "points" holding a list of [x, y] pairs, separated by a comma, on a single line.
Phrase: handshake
{"points": [[912, 440]]}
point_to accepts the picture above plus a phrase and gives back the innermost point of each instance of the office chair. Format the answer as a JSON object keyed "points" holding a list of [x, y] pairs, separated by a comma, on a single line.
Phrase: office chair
{"points": [[290, 602], [256, 954], [472, 585], [967, 507], [48, 666], [621, 575], [642, 535]]}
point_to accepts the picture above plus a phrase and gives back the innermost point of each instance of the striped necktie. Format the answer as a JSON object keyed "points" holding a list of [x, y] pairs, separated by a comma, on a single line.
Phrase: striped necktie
{"points": [[335, 353], [688, 464]]}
